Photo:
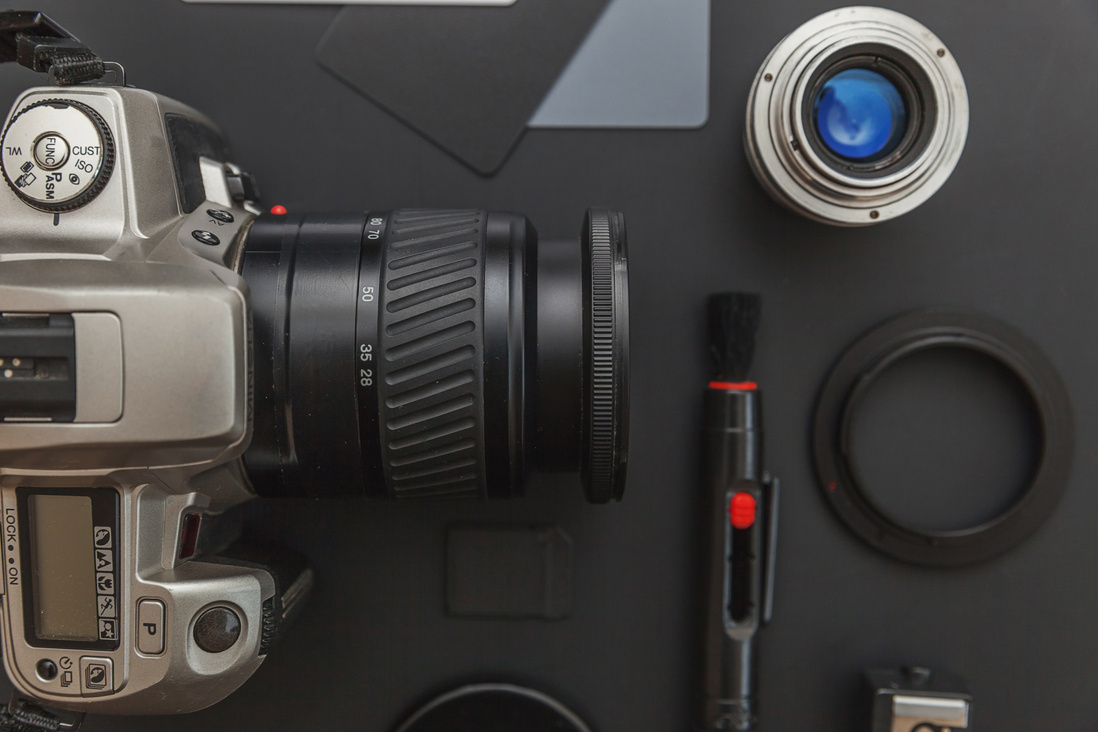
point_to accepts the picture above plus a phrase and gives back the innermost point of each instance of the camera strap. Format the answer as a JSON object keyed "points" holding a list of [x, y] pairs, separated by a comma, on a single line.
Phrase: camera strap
{"points": [[31, 39], [23, 715]]}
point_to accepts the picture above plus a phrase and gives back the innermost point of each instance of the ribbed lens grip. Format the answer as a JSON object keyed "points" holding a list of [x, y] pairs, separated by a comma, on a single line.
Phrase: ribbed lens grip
{"points": [[432, 354]]}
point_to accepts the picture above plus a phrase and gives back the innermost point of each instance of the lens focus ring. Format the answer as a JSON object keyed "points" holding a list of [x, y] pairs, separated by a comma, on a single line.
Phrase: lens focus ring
{"points": [[431, 354]]}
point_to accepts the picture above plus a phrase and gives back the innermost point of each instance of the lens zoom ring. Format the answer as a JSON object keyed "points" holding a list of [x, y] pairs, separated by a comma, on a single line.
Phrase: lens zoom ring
{"points": [[431, 361], [603, 378]]}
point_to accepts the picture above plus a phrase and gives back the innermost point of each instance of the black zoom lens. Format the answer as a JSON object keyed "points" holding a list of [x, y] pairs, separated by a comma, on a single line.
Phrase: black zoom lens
{"points": [[421, 353]]}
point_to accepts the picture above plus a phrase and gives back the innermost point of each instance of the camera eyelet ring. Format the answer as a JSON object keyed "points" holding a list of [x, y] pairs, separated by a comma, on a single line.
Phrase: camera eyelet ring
{"points": [[795, 167]]}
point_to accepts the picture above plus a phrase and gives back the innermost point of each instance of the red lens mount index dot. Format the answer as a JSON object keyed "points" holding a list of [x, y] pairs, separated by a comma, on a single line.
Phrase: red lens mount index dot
{"points": [[278, 210], [741, 510]]}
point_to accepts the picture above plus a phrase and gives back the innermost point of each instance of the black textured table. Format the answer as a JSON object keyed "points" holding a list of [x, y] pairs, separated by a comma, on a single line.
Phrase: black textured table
{"points": [[1012, 234]]}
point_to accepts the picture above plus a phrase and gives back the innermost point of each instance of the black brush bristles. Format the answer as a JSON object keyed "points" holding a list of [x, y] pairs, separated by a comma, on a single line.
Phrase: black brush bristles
{"points": [[733, 322]]}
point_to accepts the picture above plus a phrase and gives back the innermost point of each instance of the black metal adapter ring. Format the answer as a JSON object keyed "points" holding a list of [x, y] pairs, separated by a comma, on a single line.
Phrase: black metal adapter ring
{"points": [[851, 379]]}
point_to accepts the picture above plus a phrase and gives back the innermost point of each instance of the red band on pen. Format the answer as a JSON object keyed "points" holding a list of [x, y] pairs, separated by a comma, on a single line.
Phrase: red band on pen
{"points": [[734, 385]]}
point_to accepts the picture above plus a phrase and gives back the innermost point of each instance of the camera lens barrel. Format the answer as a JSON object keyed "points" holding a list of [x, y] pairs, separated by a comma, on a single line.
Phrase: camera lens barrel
{"points": [[422, 353], [856, 117]]}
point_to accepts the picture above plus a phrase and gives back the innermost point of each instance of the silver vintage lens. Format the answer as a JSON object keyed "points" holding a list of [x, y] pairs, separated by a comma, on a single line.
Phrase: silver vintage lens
{"points": [[856, 117]]}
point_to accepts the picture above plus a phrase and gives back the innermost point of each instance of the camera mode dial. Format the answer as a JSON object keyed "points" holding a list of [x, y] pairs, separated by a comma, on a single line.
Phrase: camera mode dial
{"points": [[57, 155]]}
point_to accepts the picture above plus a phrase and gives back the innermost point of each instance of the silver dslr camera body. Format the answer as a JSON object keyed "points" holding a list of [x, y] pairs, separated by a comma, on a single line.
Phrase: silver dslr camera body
{"points": [[167, 353], [125, 408]]}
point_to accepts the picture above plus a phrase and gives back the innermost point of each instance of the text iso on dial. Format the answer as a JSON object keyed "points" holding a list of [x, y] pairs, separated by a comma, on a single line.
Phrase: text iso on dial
{"points": [[57, 155]]}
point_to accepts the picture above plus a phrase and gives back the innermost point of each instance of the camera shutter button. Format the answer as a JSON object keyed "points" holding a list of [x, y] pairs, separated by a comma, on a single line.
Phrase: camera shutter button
{"points": [[217, 630]]}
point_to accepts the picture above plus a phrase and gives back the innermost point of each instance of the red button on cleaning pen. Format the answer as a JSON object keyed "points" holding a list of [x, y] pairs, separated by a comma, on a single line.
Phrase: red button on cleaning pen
{"points": [[741, 511]]}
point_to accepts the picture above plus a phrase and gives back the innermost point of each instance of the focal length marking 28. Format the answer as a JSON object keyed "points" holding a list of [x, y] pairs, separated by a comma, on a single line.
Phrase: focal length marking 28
{"points": [[366, 347]]}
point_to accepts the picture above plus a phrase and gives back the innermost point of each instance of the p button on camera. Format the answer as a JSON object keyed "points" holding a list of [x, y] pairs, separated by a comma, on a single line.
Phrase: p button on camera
{"points": [[217, 630], [150, 627]]}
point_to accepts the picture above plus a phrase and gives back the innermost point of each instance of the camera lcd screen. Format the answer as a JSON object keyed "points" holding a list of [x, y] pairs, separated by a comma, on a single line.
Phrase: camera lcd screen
{"points": [[63, 568]]}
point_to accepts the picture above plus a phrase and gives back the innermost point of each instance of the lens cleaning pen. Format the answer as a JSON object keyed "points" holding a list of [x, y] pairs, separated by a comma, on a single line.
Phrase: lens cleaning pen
{"points": [[740, 505]]}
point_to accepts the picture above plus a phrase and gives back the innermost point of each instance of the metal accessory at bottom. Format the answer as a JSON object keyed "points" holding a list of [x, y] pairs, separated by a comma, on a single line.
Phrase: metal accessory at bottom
{"points": [[850, 381], [914, 699]]}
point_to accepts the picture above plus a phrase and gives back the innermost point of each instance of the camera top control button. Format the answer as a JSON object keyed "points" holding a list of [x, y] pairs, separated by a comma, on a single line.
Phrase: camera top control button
{"points": [[217, 630], [46, 669], [57, 155], [218, 214], [51, 151], [150, 627], [96, 676], [206, 237]]}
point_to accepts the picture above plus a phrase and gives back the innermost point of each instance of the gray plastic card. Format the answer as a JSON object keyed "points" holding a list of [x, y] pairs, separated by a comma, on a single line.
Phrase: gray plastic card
{"points": [[466, 78], [509, 572], [644, 64]]}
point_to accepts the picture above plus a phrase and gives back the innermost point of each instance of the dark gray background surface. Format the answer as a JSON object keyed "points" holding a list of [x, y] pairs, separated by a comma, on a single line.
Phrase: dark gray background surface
{"points": [[1012, 234], [432, 67]]}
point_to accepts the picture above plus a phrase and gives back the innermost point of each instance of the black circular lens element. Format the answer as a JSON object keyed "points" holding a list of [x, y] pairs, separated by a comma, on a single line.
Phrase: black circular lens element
{"points": [[860, 114], [869, 111], [424, 353], [850, 383]]}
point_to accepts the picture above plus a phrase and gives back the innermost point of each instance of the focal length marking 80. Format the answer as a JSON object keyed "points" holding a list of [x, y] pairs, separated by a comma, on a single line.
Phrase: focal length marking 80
{"points": [[366, 348]]}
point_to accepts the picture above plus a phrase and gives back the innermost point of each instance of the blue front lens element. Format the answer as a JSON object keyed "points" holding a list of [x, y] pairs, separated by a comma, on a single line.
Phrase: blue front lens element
{"points": [[860, 115]]}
